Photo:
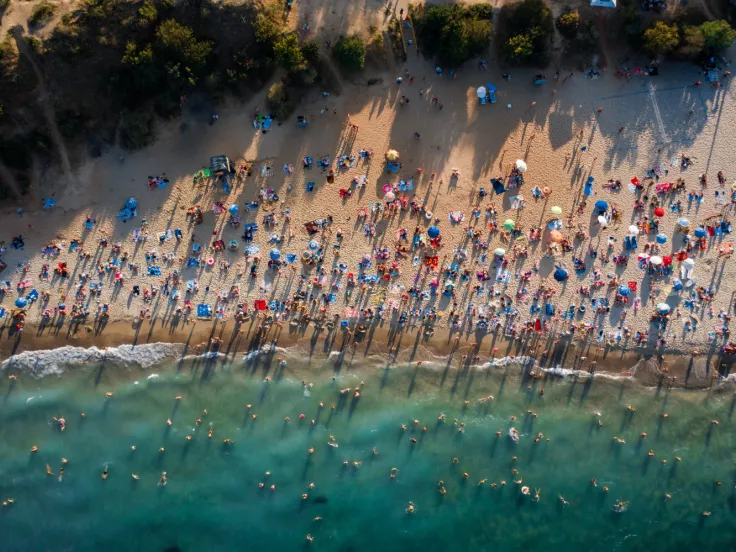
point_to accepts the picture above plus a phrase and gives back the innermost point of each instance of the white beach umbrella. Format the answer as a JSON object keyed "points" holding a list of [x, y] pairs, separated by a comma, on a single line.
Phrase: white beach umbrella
{"points": [[688, 263], [634, 230], [602, 221], [390, 196], [656, 260], [521, 165], [500, 252]]}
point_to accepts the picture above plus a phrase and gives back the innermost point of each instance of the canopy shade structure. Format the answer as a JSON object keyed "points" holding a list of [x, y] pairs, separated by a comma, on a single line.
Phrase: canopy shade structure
{"points": [[220, 164], [603, 3]]}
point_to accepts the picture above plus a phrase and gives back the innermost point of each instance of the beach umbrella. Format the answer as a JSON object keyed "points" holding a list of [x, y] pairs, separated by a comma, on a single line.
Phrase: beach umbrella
{"points": [[656, 260], [509, 224], [556, 236], [555, 210], [21, 302], [482, 92], [433, 232], [700, 232], [601, 205], [131, 203], [275, 254], [390, 196], [560, 274], [634, 230], [689, 263], [392, 155], [643, 256], [663, 307], [624, 290], [313, 245], [499, 252], [602, 221], [667, 260], [659, 212], [661, 238], [435, 283], [521, 165], [233, 209], [683, 222]]}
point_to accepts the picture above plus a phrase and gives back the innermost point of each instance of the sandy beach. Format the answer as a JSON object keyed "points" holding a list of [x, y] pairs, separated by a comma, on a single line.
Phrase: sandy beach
{"points": [[565, 131]]}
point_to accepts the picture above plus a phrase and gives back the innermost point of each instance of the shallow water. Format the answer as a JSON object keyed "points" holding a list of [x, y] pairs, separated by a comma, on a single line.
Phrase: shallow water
{"points": [[212, 500]]}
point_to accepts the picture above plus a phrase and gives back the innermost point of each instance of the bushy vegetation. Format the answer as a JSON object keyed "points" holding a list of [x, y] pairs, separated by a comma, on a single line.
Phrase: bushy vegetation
{"points": [[350, 51], [568, 23], [42, 13], [525, 30], [452, 33], [116, 65], [688, 41]]}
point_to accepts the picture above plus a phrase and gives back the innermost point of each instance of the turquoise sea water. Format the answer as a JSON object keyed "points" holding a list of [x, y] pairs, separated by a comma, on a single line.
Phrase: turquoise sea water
{"points": [[212, 499]]}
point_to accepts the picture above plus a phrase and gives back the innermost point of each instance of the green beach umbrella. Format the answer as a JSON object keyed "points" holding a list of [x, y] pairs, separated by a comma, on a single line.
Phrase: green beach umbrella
{"points": [[556, 210], [509, 224]]}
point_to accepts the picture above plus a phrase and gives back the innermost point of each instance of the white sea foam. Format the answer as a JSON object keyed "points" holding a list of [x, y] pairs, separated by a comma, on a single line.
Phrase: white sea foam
{"points": [[48, 362]]}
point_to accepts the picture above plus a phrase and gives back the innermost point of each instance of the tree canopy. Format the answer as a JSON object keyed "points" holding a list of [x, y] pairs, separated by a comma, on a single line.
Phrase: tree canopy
{"points": [[349, 52]]}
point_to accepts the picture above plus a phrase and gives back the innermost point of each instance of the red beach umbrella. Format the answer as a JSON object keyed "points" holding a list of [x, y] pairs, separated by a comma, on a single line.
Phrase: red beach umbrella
{"points": [[659, 212]]}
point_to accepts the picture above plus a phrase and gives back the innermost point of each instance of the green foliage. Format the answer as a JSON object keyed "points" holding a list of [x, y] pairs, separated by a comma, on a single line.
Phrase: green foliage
{"points": [[136, 130], [147, 14], [278, 102], [376, 47], [692, 43], [718, 35], [568, 23], [661, 38], [266, 30], [519, 48], [453, 33], [288, 53], [41, 14], [522, 23], [4, 4], [134, 56], [180, 43], [311, 53], [350, 51]]}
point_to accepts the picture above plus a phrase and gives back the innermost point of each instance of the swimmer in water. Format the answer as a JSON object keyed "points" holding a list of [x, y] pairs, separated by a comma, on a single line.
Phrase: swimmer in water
{"points": [[227, 442], [104, 473], [536, 495], [563, 501], [410, 509], [48, 470], [135, 476], [162, 479]]}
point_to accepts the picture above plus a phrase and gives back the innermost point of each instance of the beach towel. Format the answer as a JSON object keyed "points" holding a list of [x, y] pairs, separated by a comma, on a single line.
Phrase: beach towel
{"points": [[406, 186], [516, 202], [136, 235], [204, 311], [259, 304], [154, 271]]}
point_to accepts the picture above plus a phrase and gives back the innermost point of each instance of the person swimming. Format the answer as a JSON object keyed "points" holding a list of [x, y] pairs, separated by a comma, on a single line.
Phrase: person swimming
{"points": [[162, 480], [104, 473]]}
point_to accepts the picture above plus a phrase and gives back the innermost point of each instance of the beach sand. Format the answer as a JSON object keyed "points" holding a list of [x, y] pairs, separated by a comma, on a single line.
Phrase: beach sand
{"points": [[555, 128]]}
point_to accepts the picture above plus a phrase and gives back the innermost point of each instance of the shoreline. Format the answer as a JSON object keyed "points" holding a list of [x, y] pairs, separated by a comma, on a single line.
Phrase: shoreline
{"points": [[232, 340]]}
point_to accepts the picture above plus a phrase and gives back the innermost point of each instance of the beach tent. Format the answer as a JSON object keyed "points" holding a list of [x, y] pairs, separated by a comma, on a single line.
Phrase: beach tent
{"points": [[220, 164], [603, 3]]}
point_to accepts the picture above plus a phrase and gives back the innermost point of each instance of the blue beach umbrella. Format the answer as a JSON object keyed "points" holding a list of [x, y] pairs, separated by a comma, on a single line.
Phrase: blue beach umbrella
{"points": [[560, 275], [700, 232], [661, 238], [313, 245], [21, 302], [131, 204], [233, 209], [663, 308], [601, 205], [275, 254], [624, 290], [433, 232], [683, 222]]}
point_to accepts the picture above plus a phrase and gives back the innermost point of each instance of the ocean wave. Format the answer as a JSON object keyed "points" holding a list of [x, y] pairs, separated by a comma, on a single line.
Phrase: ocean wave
{"points": [[49, 362]]}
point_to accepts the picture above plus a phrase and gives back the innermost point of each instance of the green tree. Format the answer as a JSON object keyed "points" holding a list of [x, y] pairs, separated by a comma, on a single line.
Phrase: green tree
{"points": [[350, 52], [147, 14], [520, 47], [718, 35], [692, 43], [180, 43], [134, 56], [310, 51], [288, 53], [661, 38], [266, 30], [452, 32], [568, 23]]}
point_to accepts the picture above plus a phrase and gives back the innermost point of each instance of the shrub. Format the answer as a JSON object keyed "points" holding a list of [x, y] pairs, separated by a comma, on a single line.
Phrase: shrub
{"points": [[520, 48], [136, 130], [147, 14], [661, 38], [288, 54], [350, 52], [453, 33], [179, 42], [278, 102], [522, 23], [568, 23], [4, 4], [311, 53], [718, 35], [41, 14], [376, 46], [692, 43]]}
